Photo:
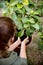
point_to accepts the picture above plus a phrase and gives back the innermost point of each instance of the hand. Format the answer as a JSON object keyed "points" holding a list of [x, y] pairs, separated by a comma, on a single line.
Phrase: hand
{"points": [[14, 45], [26, 40]]}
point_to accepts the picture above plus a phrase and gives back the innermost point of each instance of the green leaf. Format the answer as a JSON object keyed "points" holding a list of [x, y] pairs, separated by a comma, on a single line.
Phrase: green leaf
{"points": [[5, 14], [28, 32], [36, 26], [21, 33], [37, 18], [31, 20], [24, 20], [20, 11], [41, 37], [25, 2], [32, 12], [13, 3], [37, 12], [19, 5], [14, 17], [19, 25], [15, 8], [7, 3], [26, 25], [28, 9], [10, 10]]}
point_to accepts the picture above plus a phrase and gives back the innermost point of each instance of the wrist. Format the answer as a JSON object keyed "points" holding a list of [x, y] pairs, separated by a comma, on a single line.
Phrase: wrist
{"points": [[23, 43]]}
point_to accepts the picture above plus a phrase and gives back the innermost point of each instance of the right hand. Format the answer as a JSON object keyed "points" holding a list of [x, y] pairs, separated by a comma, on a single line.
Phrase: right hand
{"points": [[26, 40]]}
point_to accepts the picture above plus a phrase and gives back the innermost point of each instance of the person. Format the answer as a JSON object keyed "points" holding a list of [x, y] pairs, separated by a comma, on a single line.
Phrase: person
{"points": [[7, 46]]}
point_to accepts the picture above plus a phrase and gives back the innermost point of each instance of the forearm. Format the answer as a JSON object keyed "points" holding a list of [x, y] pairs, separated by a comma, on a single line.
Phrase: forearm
{"points": [[23, 51]]}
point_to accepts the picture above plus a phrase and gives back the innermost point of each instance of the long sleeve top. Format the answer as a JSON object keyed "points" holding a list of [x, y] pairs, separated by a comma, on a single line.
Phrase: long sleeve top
{"points": [[13, 59]]}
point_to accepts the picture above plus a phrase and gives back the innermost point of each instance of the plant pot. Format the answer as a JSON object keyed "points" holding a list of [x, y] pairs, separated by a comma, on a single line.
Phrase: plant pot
{"points": [[22, 38]]}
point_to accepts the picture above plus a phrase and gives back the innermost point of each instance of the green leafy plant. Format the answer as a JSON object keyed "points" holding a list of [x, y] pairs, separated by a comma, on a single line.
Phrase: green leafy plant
{"points": [[24, 15]]}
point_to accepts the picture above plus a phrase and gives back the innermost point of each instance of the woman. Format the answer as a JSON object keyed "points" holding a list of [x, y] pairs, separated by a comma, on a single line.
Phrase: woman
{"points": [[7, 55]]}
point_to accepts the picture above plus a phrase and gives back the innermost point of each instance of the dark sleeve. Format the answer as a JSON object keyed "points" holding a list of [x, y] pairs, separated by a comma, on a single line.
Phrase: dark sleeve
{"points": [[20, 61]]}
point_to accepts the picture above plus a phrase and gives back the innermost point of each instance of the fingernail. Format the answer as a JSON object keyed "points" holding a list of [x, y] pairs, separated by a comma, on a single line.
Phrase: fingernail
{"points": [[27, 37], [18, 38]]}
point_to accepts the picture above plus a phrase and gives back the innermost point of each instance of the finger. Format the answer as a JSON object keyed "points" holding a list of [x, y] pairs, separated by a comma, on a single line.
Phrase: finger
{"points": [[27, 37], [25, 40], [18, 38]]}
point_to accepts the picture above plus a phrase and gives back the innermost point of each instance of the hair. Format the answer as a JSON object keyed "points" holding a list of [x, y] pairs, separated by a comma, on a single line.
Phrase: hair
{"points": [[6, 32]]}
